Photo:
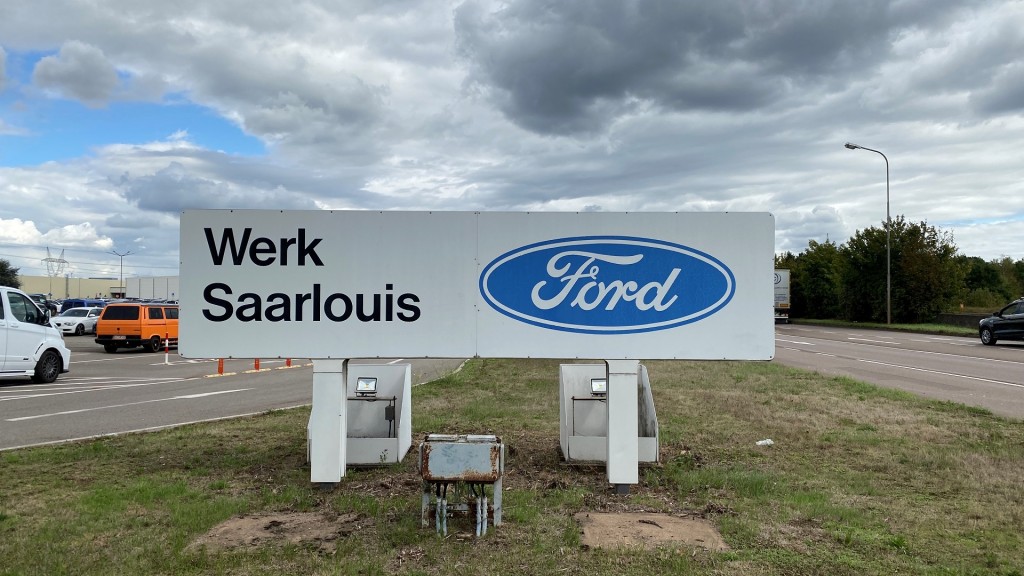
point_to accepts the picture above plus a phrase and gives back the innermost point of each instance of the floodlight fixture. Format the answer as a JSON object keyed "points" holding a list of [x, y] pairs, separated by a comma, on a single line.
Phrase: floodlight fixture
{"points": [[366, 386], [598, 386]]}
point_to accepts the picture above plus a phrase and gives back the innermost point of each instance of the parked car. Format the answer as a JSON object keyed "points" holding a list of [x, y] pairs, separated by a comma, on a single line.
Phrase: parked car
{"points": [[81, 303], [1006, 324], [44, 303], [126, 325], [29, 345], [77, 321]]}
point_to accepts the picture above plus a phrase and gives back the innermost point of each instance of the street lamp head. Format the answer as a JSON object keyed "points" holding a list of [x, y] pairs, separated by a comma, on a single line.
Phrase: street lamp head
{"points": [[851, 146]]}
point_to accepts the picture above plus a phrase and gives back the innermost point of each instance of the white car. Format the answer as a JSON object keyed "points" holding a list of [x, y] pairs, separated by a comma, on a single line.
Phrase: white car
{"points": [[77, 321], [29, 345]]}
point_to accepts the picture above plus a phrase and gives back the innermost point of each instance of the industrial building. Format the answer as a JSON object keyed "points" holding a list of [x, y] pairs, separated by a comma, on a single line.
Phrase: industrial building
{"points": [[61, 287]]}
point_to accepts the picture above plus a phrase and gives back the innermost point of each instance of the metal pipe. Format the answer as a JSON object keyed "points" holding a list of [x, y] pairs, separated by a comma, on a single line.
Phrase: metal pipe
{"points": [[444, 509], [444, 517], [484, 491], [478, 502]]}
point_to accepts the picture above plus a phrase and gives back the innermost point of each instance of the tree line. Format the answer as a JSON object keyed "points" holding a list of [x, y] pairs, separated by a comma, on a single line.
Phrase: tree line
{"points": [[928, 276], [847, 281]]}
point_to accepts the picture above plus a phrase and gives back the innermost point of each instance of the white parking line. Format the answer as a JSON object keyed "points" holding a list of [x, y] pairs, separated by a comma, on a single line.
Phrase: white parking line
{"points": [[112, 359], [99, 387], [182, 397], [147, 429], [182, 362], [205, 394]]}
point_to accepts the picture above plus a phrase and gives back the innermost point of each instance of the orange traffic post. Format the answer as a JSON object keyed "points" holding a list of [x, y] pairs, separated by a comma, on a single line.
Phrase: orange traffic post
{"points": [[220, 366], [256, 365]]}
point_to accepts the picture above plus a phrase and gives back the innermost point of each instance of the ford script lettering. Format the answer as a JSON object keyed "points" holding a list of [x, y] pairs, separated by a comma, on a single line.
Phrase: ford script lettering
{"points": [[607, 284]]}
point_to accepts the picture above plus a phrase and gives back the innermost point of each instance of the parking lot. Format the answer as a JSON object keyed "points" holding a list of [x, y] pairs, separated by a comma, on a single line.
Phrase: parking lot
{"points": [[135, 390]]}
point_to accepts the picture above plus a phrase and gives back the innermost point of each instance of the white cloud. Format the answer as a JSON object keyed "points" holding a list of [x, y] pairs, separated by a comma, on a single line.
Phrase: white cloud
{"points": [[81, 235], [18, 231], [78, 71], [27, 232]]}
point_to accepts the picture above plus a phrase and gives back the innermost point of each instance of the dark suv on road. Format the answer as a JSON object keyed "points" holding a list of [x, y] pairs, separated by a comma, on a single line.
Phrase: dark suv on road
{"points": [[1006, 324]]}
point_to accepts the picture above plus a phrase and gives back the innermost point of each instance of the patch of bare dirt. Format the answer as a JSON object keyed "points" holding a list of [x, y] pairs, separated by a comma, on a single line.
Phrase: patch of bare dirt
{"points": [[647, 531], [653, 516], [299, 528], [409, 556]]}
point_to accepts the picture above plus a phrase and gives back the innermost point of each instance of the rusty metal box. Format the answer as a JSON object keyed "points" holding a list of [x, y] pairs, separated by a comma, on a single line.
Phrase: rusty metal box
{"points": [[458, 458]]}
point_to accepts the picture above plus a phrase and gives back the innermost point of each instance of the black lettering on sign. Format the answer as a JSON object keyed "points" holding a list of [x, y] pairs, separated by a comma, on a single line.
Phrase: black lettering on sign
{"points": [[209, 296], [411, 312], [334, 306], [261, 251]]}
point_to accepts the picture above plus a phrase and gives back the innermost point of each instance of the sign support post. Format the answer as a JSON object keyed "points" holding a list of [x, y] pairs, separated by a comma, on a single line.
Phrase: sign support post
{"points": [[623, 425], [328, 422]]}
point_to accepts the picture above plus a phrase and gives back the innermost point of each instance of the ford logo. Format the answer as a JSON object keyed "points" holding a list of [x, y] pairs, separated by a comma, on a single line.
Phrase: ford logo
{"points": [[607, 284]]}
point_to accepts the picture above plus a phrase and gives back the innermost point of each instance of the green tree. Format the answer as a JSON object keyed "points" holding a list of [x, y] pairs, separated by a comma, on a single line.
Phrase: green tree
{"points": [[926, 274], [817, 275], [1012, 274], [985, 283], [862, 277], [9, 275]]}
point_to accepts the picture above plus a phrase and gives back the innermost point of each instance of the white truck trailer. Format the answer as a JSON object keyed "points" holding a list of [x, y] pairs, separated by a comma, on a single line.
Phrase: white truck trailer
{"points": [[781, 296]]}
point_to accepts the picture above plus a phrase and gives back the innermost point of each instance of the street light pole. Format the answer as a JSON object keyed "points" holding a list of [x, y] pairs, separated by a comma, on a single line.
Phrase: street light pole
{"points": [[121, 281], [888, 228]]}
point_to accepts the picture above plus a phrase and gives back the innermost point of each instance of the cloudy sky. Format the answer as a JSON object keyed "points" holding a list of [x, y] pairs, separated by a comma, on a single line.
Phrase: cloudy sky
{"points": [[115, 115]]}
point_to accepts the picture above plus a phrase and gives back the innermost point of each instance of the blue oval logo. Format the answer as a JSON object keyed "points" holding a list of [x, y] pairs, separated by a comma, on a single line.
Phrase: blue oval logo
{"points": [[607, 284]]}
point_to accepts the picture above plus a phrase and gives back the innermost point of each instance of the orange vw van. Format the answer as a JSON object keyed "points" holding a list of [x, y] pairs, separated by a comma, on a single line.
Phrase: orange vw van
{"points": [[127, 325]]}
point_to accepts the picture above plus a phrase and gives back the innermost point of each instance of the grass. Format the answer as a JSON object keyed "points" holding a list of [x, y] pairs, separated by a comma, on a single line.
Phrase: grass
{"points": [[939, 329], [860, 480]]}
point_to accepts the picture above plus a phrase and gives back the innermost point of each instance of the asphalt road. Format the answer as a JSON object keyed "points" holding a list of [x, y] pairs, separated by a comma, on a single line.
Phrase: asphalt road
{"points": [[136, 390], [942, 367]]}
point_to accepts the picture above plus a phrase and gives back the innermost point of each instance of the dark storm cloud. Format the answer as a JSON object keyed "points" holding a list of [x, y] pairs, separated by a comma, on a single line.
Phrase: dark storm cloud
{"points": [[282, 100], [572, 66], [1005, 94]]}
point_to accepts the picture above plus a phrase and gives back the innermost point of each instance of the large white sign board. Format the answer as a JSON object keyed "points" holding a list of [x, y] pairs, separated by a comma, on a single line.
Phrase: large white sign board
{"points": [[352, 284]]}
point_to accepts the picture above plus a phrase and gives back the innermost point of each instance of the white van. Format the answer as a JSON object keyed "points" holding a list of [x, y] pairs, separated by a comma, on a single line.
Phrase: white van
{"points": [[29, 345]]}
